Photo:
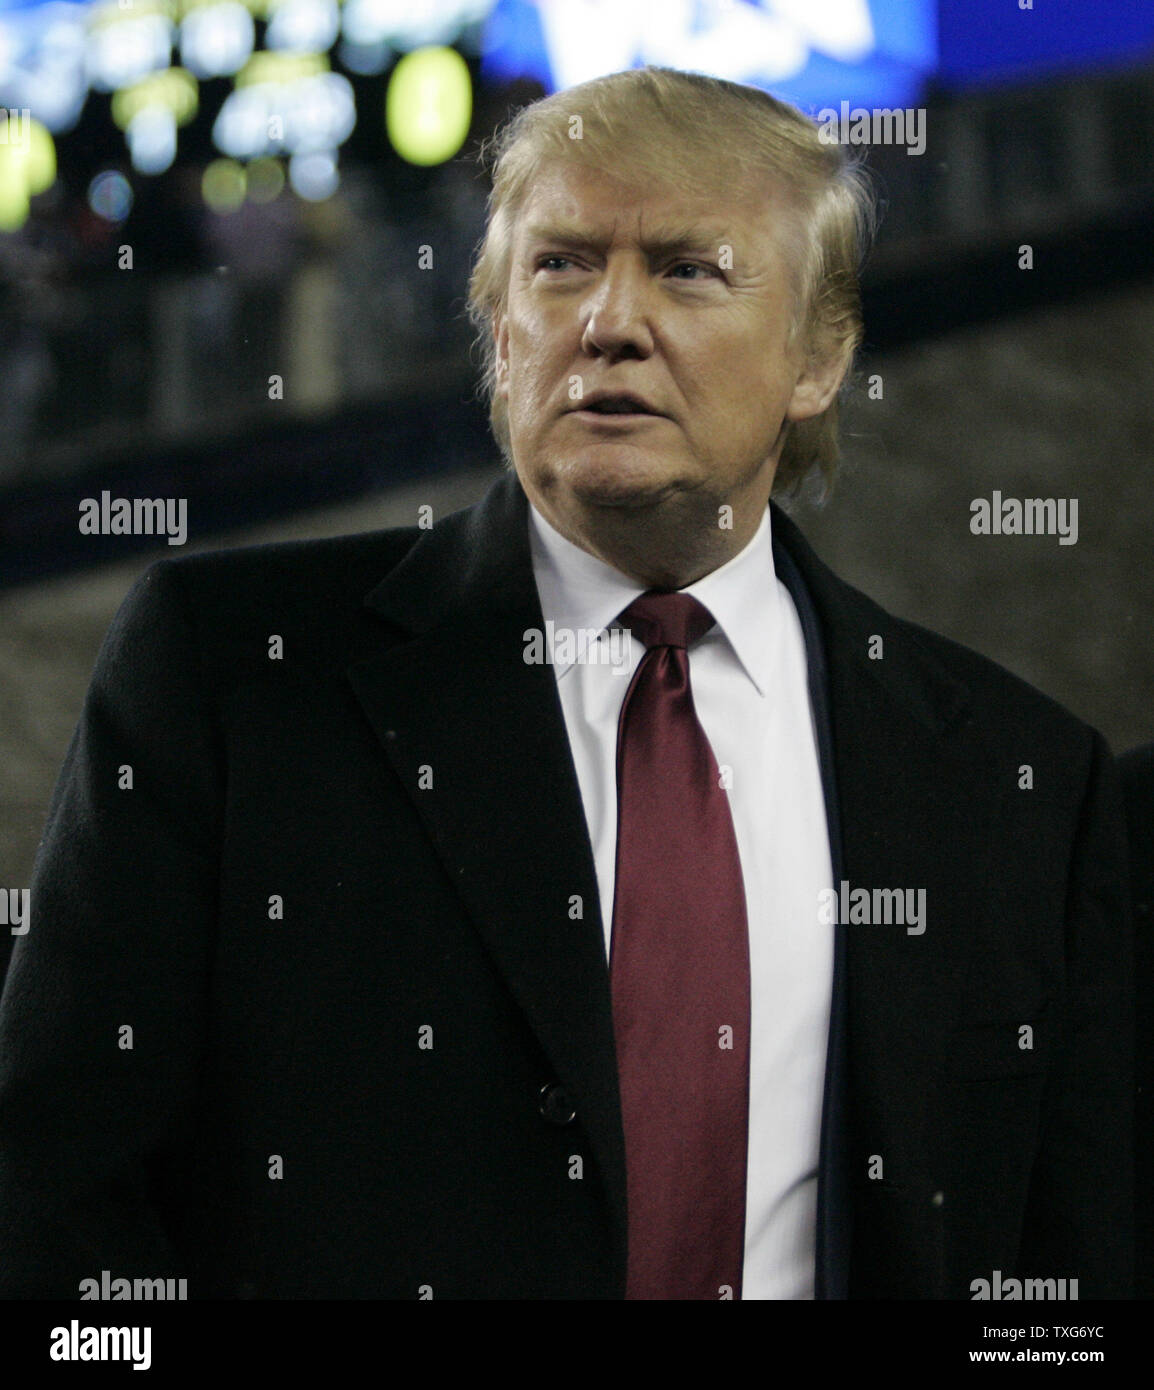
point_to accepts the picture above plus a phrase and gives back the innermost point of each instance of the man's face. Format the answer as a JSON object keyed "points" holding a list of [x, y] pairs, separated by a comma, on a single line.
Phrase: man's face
{"points": [[683, 304]]}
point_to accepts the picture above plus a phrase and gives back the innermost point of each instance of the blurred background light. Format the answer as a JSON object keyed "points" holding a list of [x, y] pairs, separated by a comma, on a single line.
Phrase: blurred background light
{"points": [[110, 196], [406, 25], [320, 113], [303, 26], [174, 89], [216, 40], [242, 127], [42, 62], [365, 59], [126, 44], [297, 107], [314, 176], [151, 137], [264, 67], [222, 186], [27, 167], [265, 180], [428, 105]]}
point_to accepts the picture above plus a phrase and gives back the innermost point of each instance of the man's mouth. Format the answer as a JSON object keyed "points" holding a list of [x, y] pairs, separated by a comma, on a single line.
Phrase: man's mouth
{"points": [[615, 403]]}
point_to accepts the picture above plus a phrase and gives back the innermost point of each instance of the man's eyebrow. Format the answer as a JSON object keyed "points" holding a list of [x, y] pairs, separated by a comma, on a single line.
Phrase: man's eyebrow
{"points": [[697, 237]]}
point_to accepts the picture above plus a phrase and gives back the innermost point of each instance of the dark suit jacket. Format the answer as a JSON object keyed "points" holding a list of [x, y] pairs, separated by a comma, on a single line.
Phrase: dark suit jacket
{"points": [[1137, 768], [401, 782]]}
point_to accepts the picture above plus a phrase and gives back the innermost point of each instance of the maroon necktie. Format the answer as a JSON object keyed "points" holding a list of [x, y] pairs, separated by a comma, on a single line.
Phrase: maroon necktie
{"points": [[679, 971]]}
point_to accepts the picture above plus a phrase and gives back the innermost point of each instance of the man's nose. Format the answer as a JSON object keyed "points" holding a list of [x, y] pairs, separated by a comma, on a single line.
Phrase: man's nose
{"points": [[618, 313]]}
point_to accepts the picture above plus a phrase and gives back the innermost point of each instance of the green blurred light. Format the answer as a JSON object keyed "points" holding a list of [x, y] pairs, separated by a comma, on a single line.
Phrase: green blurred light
{"points": [[265, 180], [27, 167], [223, 186], [280, 67], [174, 88], [13, 199], [40, 166], [428, 105]]}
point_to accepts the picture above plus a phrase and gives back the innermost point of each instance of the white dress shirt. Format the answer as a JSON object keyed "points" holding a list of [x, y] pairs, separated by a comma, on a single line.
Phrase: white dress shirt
{"points": [[748, 675]]}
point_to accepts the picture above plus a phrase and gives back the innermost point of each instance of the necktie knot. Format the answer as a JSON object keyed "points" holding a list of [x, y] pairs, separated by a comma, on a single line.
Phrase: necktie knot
{"points": [[666, 619]]}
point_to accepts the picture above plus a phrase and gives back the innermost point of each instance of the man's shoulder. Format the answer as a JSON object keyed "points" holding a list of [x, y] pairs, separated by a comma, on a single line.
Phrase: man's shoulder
{"points": [[332, 565], [1005, 708], [301, 584], [230, 603], [953, 680], [992, 686]]}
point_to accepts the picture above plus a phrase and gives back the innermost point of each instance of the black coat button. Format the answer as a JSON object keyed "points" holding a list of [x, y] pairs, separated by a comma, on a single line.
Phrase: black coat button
{"points": [[554, 1104]]}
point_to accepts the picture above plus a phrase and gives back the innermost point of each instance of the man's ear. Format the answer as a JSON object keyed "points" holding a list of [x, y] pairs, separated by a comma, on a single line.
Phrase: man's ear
{"points": [[816, 387], [501, 360]]}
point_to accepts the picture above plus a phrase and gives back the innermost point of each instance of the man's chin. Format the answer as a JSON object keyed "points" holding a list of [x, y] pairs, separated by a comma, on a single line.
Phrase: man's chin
{"points": [[619, 478]]}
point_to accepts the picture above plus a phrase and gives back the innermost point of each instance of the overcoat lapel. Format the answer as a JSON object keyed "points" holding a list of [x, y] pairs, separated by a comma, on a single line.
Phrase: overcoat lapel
{"points": [[477, 738], [906, 822]]}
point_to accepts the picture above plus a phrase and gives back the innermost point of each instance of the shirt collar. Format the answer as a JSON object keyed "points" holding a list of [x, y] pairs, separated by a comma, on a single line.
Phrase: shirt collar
{"points": [[583, 594]]}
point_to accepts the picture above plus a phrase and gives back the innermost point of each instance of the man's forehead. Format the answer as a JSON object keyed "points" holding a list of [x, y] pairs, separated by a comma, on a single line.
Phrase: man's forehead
{"points": [[581, 206]]}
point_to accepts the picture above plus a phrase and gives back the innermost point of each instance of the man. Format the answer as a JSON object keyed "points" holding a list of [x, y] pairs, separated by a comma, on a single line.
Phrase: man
{"points": [[397, 935]]}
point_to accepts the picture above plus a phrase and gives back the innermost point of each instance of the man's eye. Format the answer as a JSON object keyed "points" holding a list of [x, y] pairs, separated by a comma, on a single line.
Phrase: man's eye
{"points": [[694, 265], [548, 262]]}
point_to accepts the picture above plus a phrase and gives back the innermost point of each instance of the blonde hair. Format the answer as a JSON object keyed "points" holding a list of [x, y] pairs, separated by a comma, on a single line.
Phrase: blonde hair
{"points": [[697, 133]]}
